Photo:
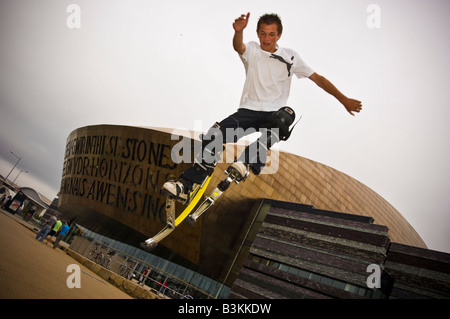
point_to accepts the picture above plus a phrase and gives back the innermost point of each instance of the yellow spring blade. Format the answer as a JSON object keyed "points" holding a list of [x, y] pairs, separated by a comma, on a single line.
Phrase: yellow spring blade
{"points": [[193, 203]]}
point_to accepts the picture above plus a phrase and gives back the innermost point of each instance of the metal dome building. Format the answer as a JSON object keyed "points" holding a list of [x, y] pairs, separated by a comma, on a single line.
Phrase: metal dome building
{"points": [[112, 179]]}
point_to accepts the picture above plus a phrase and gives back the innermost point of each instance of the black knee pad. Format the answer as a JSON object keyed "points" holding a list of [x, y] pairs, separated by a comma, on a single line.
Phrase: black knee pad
{"points": [[282, 119]]}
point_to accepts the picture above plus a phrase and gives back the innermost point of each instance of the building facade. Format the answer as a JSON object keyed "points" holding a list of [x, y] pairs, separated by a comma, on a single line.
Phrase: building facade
{"points": [[112, 179]]}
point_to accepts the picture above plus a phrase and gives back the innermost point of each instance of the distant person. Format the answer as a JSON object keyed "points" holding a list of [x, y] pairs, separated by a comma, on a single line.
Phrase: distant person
{"points": [[44, 231], [6, 201], [163, 287], [30, 213], [52, 220], [62, 232], [56, 227], [143, 276]]}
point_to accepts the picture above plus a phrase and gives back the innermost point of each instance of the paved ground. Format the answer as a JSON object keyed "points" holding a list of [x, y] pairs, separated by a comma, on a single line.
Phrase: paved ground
{"points": [[30, 269]]}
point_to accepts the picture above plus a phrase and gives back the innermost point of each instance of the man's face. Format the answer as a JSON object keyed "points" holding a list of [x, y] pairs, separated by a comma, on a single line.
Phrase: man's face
{"points": [[268, 37]]}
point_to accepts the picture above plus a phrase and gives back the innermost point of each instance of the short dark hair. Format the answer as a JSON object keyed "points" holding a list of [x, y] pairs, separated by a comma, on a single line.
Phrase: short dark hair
{"points": [[270, 18]]}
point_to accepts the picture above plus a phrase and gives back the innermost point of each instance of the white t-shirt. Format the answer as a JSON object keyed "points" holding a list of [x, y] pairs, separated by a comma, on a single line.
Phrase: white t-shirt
{"points": [[268, 80]]}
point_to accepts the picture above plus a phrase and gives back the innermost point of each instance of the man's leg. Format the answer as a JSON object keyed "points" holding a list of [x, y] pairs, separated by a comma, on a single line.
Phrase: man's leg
{"points": [[58, 238], [39, 233], [274, 129], [204, 164], [230, 130], [45, 234], [255, 154]]}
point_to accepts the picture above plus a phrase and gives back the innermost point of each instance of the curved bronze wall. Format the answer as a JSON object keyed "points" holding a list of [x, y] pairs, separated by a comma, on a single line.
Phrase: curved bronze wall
{"points": [[112, 179]]}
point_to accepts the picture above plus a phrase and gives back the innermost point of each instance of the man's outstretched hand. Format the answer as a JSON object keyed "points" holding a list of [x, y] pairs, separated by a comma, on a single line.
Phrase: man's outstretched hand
{"points": [[241, 23], [352, 105]]}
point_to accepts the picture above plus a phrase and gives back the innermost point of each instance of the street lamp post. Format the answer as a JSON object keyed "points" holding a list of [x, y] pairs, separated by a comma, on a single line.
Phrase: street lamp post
{"points": [[21, 171], [18, 160]]}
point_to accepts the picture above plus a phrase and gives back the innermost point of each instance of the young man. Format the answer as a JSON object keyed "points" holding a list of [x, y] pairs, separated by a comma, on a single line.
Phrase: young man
{"points": [[269, 71], [63, 232]]}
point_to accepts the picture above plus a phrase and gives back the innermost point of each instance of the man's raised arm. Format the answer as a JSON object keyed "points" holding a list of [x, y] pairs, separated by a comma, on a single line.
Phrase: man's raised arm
{"points": [[238, 40]]}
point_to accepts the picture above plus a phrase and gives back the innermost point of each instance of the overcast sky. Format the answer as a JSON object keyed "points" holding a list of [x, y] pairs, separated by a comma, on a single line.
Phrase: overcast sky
{"points": [[171, 63]]}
